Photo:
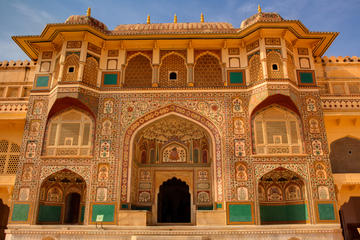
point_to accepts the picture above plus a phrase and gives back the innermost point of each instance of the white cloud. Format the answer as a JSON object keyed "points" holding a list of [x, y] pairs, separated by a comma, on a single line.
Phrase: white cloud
{"points": [[36, 15]]}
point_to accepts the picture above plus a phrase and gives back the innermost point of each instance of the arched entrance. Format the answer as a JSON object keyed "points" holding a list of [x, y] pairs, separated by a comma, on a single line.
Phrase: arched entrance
{"points": [[62, 199], [171, 146], [282, 198], [174, 202]]}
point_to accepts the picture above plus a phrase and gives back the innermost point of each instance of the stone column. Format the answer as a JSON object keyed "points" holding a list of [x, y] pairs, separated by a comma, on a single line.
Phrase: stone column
{"points": [[223, 71], [284, 57], [190, 74], [102, 65], [155, 75], [263, 57], [83, 52], [62, 62]]}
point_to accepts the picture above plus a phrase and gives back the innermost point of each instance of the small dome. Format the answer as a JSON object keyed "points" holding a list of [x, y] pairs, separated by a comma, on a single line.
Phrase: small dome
{"points": [[81, 19], [261, 17]]}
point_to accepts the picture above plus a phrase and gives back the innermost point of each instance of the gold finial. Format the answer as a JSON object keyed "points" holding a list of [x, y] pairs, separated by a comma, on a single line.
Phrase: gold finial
{"points": [[259, 9], [88, 12], [202, 17], [148, 19], [175, 18]]}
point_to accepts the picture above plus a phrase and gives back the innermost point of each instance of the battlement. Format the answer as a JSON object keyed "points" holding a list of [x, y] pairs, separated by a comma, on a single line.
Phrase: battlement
{"points": [[339, 59], [18, 63]]}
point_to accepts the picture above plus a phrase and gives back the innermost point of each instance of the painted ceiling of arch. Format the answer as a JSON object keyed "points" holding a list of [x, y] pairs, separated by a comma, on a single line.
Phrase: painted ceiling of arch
{"points": [[280, 175], [173, 128], [65, 176]]}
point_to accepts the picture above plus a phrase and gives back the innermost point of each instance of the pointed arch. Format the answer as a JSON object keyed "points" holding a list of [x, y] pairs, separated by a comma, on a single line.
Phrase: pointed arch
{"points": [[138, 71], [274, 57], [71, 61], [285, 194], [208, 70], [190, 115], [173, 62], [55, 207], [344, 155]]}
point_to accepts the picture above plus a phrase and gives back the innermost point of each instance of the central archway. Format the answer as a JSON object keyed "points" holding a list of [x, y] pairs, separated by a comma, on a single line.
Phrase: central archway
{"points": [[174, 202], [129, 177]]}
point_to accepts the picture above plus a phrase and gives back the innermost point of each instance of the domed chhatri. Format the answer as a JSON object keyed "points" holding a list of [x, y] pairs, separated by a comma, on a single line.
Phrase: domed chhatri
{"points": [[82, 19], [261, 17]]}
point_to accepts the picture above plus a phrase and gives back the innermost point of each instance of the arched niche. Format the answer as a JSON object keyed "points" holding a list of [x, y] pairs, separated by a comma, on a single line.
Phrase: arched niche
{"points": [[282, 198], [62, 199], [69, 133], [345, 155], [276, 130], [138, 71], [208, 70]]}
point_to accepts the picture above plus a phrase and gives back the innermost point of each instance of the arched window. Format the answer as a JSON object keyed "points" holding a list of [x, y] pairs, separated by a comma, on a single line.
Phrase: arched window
{"points": [[277, 131], [69, 133]]}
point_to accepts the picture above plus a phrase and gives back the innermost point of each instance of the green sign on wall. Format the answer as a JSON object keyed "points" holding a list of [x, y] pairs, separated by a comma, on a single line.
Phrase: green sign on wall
{"points": [[326, 211], [102, 209], [20, 212], [42, 81], [239, 213], [110, 79]]}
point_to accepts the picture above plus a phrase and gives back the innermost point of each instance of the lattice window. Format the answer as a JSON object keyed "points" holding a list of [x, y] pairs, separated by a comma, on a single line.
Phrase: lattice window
{"points": [[71, 61], [207, 72], [138, 72], [274, 58], [9, 157], [171, 64], [69, 134], [277, 131], [256, 70], [291, 67], [90, 72]]}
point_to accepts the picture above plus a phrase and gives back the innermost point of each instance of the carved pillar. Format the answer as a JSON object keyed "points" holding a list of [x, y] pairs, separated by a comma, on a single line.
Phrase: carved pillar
{"points": [[155, 75], [284, 65], [263, 58], [82, 60], [62, 62], [284, 57], [122, 75], [223, 71], [102, 65], [190, 74]]}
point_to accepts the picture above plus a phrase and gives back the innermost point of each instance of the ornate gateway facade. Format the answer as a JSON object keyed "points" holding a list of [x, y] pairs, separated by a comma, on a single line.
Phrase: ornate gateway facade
{"points": [[176, 130]]}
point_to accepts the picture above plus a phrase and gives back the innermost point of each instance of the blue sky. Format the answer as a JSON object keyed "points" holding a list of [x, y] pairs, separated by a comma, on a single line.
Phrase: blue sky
{"points": [[25, 17]]}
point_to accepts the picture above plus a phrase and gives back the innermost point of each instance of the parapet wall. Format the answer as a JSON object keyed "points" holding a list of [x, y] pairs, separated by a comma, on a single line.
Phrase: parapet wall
{"points": [[18, 63]]}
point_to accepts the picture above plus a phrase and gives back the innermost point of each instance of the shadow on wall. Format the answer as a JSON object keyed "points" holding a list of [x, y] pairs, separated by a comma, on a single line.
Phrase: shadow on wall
{"points": [[4, 215]]}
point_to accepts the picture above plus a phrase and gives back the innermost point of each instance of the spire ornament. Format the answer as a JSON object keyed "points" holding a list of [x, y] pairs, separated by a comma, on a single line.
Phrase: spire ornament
{"points": [[202, 17], [88, 12], [148, 19], [259, 9], [175, 18]]}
